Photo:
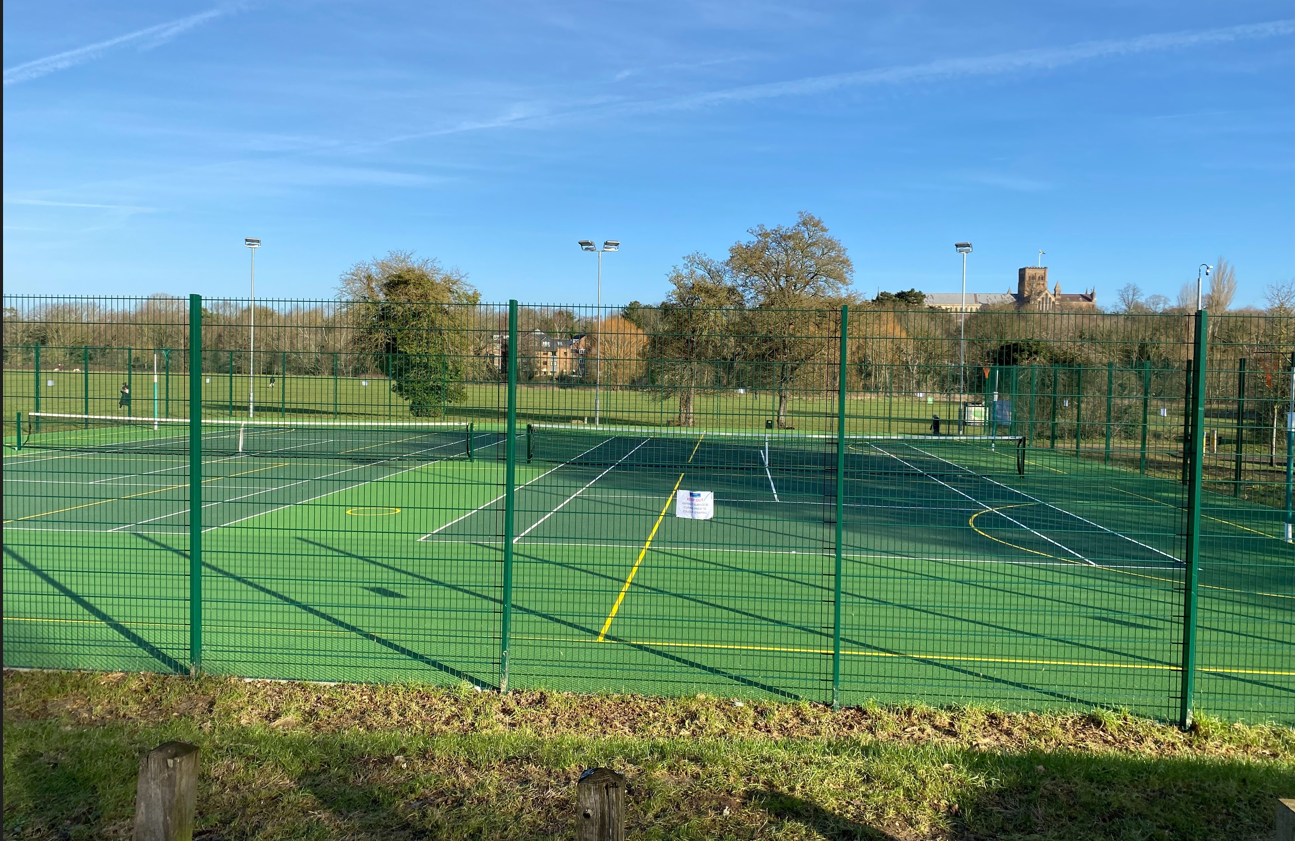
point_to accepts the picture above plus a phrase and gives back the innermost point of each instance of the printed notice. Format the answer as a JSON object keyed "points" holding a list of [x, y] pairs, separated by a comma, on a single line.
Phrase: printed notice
{"points": [[695, 505]]}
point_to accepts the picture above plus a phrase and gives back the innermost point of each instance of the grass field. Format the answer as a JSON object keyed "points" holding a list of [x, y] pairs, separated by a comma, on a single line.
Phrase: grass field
{"points": [[960, 581], [303, 761]]}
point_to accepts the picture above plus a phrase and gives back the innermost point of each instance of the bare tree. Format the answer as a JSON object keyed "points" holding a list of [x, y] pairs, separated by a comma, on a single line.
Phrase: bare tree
{"points": [[1187, 297], [1157, 303], [1130, 297], [1223, 287], [1280, 297]]}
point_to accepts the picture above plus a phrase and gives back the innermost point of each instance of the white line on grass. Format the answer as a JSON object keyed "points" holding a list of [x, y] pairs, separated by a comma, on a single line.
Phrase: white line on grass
{"points": [[1053, 507], [582, 490], [519, 487], [1061, 546]]}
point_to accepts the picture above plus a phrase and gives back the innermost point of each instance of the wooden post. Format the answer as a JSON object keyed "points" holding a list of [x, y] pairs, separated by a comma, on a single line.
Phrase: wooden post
{"points": [[167, 794], [1286, 820], [600, 806]]}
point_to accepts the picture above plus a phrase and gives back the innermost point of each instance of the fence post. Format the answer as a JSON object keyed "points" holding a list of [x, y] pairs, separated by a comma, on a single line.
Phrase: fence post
{"points": [[1056, 376], [510, 477], [230, 368], [1146, 413], [283, 384], [600, 805], [167, 793], [195, 483], [37, 427], [1029, 430], [1290, 456], [166, 355], [1079, 407], [1197, 454], [85, 383], [1187, 419], [842, 363], [18, 429], [1110, 394], [1241, 425], [130, 381], [334, 385]]}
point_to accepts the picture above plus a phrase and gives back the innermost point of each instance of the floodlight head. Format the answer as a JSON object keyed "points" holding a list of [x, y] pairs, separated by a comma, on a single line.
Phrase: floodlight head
{"points": [[588, 245], [963, 247], [611, 245], [251, 242]]}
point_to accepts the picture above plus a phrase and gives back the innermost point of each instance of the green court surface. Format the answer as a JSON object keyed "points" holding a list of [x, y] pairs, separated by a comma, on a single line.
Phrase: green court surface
{"points": [[960, 578]]}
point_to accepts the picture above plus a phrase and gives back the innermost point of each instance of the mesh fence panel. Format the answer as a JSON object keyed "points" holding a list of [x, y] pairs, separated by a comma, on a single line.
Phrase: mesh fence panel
{"points": [[753, 502]]}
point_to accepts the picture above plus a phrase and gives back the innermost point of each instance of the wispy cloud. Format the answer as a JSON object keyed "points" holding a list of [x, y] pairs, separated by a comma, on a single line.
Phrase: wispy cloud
{"points": [[1047, 58], [145, 39], [45, 203], [1002, 64]]}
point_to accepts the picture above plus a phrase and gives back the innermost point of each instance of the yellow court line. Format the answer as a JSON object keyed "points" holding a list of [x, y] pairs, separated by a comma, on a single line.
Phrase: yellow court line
{"points": [[971, 521], [941, 657], [141, 493], [1206, 516], [643, 552]]}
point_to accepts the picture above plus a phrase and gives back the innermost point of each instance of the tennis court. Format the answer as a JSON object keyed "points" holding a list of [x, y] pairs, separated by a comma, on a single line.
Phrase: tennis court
{"points": [[970, 567]]}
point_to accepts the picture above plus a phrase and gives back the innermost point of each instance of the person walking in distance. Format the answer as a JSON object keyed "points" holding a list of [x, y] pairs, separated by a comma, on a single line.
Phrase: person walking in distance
{"points": [[123, 402], [935, 424]]}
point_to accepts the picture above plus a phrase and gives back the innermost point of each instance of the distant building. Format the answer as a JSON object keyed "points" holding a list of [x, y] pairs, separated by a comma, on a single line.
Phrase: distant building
{"points": [[1031, 293], [952, 301], [551, 357]]}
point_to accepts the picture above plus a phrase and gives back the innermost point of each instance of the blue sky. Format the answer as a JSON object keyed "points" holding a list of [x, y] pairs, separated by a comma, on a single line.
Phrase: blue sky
{"points": [[1131, 141]]}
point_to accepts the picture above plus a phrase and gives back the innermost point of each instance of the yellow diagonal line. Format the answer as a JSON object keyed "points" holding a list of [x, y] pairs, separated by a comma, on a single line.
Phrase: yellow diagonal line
{"points": [[1203, 516], [643, 552]]}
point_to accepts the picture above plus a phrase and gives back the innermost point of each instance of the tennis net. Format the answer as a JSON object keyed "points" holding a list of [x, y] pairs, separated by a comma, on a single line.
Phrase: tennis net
{"points": [[667, 447], [352, 440]]}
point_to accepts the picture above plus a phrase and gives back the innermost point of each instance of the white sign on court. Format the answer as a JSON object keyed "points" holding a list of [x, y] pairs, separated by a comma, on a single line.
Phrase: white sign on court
{"points": [[695, 505]]}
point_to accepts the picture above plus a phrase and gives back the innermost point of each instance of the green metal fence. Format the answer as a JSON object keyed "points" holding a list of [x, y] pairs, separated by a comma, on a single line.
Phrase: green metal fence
{"points": [[815, 504]]}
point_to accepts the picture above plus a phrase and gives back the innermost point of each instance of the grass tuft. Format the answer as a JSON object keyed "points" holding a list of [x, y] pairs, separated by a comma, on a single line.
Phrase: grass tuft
{"points": [[309, 761]]}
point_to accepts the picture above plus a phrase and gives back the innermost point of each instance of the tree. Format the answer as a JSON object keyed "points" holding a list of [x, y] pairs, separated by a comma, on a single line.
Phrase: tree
{"points": [[1130, 297], [412, 314], [1187, 297], [1280, 297], [1223, 287], [1157, 303], [907, 298], [787, 275], [621, 349], [693, 331]]}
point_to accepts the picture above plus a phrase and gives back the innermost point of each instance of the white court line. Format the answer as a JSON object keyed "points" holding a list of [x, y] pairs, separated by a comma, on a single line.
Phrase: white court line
{"points": [[981, 504], [686, 548], [290, 485], [764, 456], [519, 487], [1053, 507], [582, 490], [348, 487]]}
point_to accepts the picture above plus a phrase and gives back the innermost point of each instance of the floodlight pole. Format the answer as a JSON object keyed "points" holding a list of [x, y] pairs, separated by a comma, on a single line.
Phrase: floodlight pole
{"points": [[608, 245], [598, 360], [1204, 267], [964, 248]]}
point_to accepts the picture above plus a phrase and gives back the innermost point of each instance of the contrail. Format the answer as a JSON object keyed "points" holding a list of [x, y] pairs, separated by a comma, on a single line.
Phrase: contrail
{"points": [[1045, 58], [150, 37]]}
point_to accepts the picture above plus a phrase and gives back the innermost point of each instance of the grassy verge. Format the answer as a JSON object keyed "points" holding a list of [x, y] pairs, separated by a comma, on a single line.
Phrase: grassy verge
{"points": [[307, 761]]}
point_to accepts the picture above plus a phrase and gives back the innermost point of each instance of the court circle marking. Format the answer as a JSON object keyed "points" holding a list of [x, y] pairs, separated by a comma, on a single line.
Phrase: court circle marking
{"points": [[375, 511]]}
